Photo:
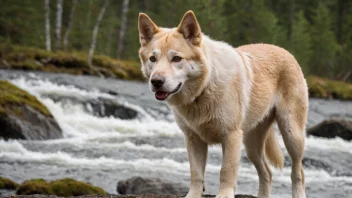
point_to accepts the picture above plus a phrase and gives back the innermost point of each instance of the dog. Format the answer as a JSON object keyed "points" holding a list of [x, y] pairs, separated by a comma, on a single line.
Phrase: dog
{"points": [[225, 95]]}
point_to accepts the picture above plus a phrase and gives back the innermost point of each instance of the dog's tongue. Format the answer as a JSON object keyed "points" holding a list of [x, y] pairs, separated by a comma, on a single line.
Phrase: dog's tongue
{"points": [[161, 95]]}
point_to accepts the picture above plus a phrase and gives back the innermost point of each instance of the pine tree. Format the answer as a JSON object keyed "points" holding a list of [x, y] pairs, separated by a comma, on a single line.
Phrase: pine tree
{"points": [[324, 43], [301, 41]]}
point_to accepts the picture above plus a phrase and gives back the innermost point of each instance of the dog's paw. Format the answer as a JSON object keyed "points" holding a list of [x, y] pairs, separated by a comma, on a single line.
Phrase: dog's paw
{"points": [[226, 193], [194, 194]]}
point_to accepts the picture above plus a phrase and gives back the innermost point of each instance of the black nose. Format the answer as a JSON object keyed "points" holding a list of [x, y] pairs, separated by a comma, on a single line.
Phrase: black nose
{"points": [[157, 81]]}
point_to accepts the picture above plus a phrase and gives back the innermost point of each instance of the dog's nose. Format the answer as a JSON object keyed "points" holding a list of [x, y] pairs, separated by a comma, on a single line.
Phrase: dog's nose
{"points": [[157, 81]]}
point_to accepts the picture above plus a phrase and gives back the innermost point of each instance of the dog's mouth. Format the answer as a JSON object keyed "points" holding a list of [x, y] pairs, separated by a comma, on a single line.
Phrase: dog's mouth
{"points": [[162, 95]]}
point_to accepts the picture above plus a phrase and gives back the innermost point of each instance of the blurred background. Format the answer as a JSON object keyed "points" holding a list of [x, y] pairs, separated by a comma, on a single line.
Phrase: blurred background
{"points": [[74, 105], [317, 32]]}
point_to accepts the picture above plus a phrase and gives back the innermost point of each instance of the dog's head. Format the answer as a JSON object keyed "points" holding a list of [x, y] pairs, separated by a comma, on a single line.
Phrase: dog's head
{"points": [[172, 59]]}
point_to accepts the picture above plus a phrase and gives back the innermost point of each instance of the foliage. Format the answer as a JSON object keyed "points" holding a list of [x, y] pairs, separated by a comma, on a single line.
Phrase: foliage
{"points": [[64, 187], [324, 43], [11, 97], [326, 88], [6, 183], [317, 32], [301, 41]]}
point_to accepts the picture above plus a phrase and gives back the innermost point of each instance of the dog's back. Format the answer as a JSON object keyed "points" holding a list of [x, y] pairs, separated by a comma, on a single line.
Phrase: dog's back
{"points": [[279, 93], [276, 75]]}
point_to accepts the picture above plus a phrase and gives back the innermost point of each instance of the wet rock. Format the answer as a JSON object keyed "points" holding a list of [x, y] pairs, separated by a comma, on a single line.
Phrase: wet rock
{"points": [[333, 128], [140, 185], [101, 107], [105, 108], [22, 116]]}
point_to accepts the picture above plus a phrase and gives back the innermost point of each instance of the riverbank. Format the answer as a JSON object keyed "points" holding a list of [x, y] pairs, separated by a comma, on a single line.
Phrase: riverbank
{"points": [[35, 59], [117, 196]]}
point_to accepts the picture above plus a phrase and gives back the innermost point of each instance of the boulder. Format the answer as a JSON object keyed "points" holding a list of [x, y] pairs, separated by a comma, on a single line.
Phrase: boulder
{"points": [[6, 183], [333, 128], [64, 187], [22, 116], [140, 185], [101, 107]]}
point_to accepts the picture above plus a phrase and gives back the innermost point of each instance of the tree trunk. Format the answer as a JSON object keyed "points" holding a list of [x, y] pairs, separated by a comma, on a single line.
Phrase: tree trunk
{"points": [[95, 33], [47, 25], [70, 23], [123, 28], [58, 23]]}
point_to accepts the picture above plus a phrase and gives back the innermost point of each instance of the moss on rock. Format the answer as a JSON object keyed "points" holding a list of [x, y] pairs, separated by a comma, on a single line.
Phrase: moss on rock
{"points": [[325, 88], [11, 97], [70, 187], [28, 58], [64, 187], [34, 186], [6, 183], [22, 116]]}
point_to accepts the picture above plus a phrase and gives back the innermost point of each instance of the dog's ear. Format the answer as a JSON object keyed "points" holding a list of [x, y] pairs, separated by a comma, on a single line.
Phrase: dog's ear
{"points": [[146, 28], [190, 29]]}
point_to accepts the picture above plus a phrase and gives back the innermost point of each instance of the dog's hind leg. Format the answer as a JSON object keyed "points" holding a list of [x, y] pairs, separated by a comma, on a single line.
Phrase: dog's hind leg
{"points": [[254, 141], [291, 117]]}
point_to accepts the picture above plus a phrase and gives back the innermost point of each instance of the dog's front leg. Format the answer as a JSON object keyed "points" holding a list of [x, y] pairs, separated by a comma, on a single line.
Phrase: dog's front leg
{"points": [[231, 149], [197, 154]]}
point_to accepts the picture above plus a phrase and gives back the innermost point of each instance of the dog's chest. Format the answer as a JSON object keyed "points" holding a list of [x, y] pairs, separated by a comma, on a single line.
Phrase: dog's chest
{"points": [[209, 123]]}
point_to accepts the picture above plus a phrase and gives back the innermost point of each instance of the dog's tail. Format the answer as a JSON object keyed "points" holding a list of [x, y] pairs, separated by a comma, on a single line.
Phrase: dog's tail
{"points": [[273, 151]]}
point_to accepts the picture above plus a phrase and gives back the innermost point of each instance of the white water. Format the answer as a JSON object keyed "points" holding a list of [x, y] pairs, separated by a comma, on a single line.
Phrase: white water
{"points": [[84, 132]]}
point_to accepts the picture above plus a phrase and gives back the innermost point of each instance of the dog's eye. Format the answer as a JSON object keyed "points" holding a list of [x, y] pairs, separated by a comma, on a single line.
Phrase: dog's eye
{"points": [[152, 59], [176, 59]]}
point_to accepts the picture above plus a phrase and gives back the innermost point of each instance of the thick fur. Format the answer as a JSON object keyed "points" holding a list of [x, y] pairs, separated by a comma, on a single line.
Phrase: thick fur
{"points": [[229, 96]]}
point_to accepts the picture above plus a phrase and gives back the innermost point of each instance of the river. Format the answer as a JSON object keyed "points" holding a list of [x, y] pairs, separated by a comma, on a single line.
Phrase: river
{"points": [[104, 150]]}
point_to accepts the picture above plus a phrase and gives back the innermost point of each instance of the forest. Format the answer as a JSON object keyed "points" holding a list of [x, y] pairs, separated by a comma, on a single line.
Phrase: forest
{"points": [[317, 32]]}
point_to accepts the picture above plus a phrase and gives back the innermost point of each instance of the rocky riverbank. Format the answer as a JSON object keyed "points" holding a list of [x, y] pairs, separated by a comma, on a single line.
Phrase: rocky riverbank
{"points": [[118, 196]]}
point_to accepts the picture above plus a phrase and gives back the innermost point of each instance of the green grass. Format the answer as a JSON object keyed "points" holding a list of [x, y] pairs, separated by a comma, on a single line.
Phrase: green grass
{"points": [[6, 183], [12, 98], [325, 88], [28, 58], [64, 187]]}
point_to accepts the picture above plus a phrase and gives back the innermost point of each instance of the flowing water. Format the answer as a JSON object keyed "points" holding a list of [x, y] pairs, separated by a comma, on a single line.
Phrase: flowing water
{"points": [[104, 150]]}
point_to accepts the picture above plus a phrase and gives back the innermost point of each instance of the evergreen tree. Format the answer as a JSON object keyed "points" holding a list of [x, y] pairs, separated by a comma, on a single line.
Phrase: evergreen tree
{"points": [[324, 43], [301, 41]]}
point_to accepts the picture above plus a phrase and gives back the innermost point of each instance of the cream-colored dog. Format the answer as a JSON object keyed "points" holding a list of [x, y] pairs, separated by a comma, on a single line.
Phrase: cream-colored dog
{"points": [[226, 95]]}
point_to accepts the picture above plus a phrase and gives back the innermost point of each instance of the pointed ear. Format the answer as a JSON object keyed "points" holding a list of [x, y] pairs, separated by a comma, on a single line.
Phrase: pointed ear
{"points": [[146, 28], [190, 28]]}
